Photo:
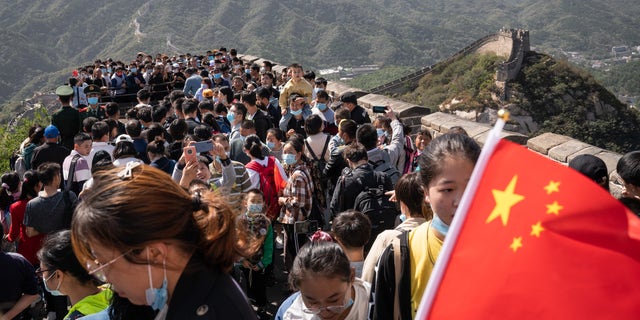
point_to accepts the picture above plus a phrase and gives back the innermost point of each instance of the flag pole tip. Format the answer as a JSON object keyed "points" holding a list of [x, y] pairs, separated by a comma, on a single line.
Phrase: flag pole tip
{"points": [[504, 114]]}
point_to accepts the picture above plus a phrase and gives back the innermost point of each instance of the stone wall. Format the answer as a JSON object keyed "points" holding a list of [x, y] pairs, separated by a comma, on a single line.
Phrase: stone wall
{"points": [[508, 43], [556, 147]]}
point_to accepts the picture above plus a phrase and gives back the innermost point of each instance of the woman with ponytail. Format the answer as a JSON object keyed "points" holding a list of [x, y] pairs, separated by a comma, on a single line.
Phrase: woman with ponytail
{"points": [[157, 246], [264, 173], [25, 245]]}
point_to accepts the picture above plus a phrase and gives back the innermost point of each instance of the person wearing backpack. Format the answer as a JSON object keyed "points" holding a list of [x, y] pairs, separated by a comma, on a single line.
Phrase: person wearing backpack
{"points": [[317, 151], [262, 172], [386, 158], [362, 188], [337, 163]]}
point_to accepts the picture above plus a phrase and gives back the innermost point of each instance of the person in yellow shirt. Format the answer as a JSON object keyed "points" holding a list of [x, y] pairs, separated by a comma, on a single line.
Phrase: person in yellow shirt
{"points": [[297, 84], [405, 266]]}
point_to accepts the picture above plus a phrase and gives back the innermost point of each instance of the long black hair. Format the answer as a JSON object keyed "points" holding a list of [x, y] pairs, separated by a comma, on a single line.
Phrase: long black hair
{"points": [[57, 254], [253, 144]]}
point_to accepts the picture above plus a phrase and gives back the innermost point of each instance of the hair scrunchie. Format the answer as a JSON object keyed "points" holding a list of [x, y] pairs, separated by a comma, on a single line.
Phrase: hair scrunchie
{"points": [[196, 203], [321, 236]]}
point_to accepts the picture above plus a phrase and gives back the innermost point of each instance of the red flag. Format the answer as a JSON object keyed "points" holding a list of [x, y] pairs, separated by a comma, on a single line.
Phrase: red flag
{"points": [[541, 241]]}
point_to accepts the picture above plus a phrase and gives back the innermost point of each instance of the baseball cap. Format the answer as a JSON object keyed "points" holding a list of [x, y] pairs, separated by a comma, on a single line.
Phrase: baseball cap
{"points": [[124, 137], [590, 166], [349, 97], [51, 131]]}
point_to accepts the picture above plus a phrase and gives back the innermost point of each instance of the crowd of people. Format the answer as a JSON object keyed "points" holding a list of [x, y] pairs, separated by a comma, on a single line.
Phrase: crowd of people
{"points": [[177, 207]]}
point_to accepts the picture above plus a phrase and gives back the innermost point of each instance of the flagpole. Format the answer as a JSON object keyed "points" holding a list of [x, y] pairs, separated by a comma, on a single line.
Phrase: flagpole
{"points": [[461, 213]]}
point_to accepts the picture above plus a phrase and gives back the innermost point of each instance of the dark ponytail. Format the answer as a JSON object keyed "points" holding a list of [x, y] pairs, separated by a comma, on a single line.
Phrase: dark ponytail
{"points": [[253, 144], [29, 184]]}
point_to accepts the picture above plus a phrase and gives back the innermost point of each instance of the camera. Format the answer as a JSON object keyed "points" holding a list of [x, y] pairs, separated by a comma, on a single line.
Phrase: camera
{"points": [[190, 154], [379, 109], [203, 146]]}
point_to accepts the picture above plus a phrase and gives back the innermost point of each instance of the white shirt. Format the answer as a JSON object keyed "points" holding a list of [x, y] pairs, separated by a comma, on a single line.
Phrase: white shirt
{"points": [[255, 177]]}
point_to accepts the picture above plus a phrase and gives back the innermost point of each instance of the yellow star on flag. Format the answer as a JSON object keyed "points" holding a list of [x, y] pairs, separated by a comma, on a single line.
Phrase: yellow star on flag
{"points": [[536, 229], [516, 244], [504, 201], [553, 186], [554, 208]]}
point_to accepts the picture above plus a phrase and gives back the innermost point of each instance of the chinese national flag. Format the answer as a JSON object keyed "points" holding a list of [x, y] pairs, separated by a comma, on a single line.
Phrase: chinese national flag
{"points": [[541, 242]]}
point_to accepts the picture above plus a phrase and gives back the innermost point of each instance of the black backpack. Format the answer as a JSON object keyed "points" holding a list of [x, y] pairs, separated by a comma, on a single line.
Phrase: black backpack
{"points": [[376, 205], [384, 166]]}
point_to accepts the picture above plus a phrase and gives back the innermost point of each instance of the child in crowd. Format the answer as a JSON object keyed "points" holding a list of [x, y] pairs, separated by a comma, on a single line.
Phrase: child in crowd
{"points": [[628, 168], [63, 275], [296, 84], [254, 267], [326, 284], [352, 230], [423, 138], [446, 167]]}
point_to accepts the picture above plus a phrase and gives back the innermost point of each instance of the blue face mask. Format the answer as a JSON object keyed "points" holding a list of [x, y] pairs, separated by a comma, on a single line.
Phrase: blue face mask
{"points": [[55, 292], [380, 132], [255, 208], [217, 75], [321, 106], [288, 158], [210, 58], [296, 113], [316, 90], [92, 100], [133, 70], [156, 297], [402, 217], [271, 145], [231, 116], [247, 71], [103, 70], [109, 70], [439, 225]]}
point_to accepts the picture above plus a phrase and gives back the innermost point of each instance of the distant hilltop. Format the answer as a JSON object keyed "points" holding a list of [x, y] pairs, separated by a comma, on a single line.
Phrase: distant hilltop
{"points": [[512, 44]]}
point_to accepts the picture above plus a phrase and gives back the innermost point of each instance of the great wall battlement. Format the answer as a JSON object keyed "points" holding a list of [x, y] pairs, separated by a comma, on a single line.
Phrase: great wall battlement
{"points": [[511, 44], [508, 43]]}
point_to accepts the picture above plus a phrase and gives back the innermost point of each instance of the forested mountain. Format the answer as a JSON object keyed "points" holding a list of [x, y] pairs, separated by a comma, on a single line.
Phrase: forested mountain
{"points": [[42, 41]]}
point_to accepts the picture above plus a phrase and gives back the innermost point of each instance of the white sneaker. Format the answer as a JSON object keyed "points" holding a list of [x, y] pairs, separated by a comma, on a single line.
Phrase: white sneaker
{"points": [[279, 242]]}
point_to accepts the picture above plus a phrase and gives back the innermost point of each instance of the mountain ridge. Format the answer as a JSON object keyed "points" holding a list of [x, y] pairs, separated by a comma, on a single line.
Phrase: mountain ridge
{"points": [[57, 36]]}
